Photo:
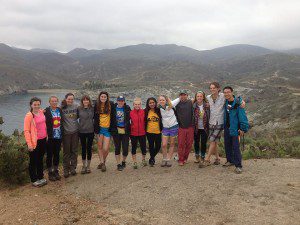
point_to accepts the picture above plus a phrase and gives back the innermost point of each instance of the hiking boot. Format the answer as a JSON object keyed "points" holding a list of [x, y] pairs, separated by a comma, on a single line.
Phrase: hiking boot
{"points": [[168, 163], [144, 163], [227, 164], [66, 174], [73, 172], [119, 167], [83, 170], [217, 162], [100, 166], [51, 176], [135, 166], [103, 169], [56, 175], [151, 162], [197, 159], [88, 166], [164, 163], [238, 170], [123, 164], [204, 163]]}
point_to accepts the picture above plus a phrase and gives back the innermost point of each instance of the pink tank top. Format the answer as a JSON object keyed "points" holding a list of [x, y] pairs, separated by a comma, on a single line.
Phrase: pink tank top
{"points": [[40, 123]]}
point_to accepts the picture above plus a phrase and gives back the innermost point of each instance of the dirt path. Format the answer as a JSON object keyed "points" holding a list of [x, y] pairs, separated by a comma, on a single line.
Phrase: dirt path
{"points": [[268, 192]]}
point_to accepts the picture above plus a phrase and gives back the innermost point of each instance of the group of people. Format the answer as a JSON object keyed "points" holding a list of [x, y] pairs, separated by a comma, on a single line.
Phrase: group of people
{"points": [[192, 121]]}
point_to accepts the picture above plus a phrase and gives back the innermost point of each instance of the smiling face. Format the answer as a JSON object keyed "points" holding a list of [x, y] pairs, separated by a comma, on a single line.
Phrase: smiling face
{"points": [[53, 101], [70, 100], [103, 98], [35, 106], [152, 104], [121, 103], [85, 103], [162, 101], [228, 94], [199, 98], [137, 104], [183, 97], [213, 89]]}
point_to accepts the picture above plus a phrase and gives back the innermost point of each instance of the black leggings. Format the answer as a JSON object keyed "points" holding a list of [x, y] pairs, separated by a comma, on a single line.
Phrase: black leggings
{"points": [[121, 140], [53, 149], [36, 170], [86, 140], [142, 142], [200, 134], [154, 141]]}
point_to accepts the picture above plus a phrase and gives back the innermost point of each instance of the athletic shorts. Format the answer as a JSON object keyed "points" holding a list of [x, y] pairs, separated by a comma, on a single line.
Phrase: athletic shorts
{"points": [[215, 132], [170, 132], [104, 132]]}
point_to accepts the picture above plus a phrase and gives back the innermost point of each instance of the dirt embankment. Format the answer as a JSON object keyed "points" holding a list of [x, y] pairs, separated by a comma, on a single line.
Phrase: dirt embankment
{"points": [[268, 192]]}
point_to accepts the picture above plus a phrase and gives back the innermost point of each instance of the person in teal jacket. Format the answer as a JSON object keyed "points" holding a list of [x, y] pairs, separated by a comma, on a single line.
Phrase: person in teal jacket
{"points": [[235, 125]]}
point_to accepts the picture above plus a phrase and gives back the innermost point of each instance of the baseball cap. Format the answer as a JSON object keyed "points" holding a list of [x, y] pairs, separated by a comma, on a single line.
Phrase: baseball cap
{"points": [[120, 98]]}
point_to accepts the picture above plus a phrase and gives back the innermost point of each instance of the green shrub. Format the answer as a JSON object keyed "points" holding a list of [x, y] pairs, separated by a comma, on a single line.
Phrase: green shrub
{"points": [[13, 161]]}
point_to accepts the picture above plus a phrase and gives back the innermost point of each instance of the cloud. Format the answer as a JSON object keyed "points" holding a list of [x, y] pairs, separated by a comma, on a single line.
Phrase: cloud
{"points": [[97, 24]]}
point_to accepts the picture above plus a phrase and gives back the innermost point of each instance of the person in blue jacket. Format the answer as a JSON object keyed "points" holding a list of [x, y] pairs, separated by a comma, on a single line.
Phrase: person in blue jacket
{"points": [[235, 124]]}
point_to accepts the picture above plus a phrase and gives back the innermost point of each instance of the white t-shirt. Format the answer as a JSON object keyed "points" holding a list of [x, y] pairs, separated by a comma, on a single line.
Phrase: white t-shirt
{"points": [[168, 116]]}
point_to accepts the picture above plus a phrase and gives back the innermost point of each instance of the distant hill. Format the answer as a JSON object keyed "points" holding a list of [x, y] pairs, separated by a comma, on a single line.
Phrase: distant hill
{"points": [[38, 68]]}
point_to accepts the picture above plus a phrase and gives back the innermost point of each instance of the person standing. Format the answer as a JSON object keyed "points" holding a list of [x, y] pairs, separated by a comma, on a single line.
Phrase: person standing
{"points": [[153, 128], [137, 131], [170, 128], [235, 124], [86, 132], [201, 115], [121, 131], [184, 111], [104, 111], [35, 133], [70, 135], [54, 129]]}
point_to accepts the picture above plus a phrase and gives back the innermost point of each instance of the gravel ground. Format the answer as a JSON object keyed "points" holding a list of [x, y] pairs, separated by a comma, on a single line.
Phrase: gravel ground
{"points": [[268, 192]]}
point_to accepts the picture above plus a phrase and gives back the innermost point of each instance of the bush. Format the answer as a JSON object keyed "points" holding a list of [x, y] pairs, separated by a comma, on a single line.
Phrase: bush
{"points": [[13, 160]]}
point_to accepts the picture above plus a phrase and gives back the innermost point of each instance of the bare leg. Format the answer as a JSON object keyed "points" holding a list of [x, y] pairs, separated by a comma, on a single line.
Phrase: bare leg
{"points": [[118, 158], [106, 142], [171, 149], [211, 150], [100, 148], [165, 146]]}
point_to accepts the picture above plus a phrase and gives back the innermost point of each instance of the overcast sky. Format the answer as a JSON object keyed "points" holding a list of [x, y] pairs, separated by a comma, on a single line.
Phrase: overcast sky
{"points": [[95, 24]]}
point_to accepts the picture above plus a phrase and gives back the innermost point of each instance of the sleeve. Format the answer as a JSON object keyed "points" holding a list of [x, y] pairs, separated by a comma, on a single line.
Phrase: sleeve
{"points": [[27, 131], [243, 120], [175, 102]]}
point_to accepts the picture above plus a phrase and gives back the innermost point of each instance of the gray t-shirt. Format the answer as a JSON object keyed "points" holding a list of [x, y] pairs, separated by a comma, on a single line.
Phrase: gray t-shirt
{"points": [[86, 120], [70, 119], [200, 120]]}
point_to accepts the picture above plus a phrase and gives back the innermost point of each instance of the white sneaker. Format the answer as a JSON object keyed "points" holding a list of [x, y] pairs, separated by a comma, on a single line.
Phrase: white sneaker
{"points": [[36, 183], [43, 182]]}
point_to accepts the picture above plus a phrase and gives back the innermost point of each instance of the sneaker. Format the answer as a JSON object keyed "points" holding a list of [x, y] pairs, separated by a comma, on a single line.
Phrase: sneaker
{"points": [[51, 176], [103, 169], [100, 166], [151, 163], [123, 164], [168, 163], [227, 164], [83, 170], [43, 182], [88, 166], [238, 170], [56, 175], [204, 163], [36, 183], [144, 163], [73, 172], [164, 163], [197, 159], [176, 158], [217, 162], [135, 166], [119, 167]]}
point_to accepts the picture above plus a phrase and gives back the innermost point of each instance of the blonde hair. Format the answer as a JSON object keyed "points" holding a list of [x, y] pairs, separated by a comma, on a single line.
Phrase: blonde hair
{"points": [[168, 101], [53, 96], [137, 100]]}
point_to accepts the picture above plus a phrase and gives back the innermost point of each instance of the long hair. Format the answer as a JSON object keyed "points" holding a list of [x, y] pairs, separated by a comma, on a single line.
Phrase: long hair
{"points": [[34, 99], [64, 101], [204, 96], [147, 109], [107, 107], [168, 102], [86, 97]]}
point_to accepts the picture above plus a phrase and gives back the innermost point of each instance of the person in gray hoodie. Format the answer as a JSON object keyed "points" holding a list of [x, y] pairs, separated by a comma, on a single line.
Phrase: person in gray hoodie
{"points": [[86, 132], [70, 135]]}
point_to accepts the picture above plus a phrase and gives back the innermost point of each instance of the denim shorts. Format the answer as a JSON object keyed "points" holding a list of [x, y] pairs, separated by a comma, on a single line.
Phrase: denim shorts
{"points": [[104, 131], [170, 132]]}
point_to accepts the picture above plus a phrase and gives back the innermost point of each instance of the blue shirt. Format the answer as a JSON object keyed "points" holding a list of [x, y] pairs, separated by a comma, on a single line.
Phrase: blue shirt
{"points": [[120, 117], [56, 119]]}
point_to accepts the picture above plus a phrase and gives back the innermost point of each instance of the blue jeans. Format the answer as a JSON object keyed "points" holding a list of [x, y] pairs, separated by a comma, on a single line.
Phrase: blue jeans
{"points": [[232, 148]]}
